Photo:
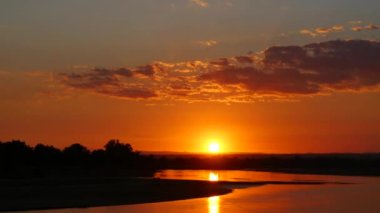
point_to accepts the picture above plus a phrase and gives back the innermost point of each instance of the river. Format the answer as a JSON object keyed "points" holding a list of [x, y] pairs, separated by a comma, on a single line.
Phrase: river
{"points": [[361, 194]]}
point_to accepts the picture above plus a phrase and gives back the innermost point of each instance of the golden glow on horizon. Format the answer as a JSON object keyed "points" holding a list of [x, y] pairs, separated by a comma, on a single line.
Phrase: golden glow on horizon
{"points": [[213, 204], [213, 176], [181, 93], [214, 146]]}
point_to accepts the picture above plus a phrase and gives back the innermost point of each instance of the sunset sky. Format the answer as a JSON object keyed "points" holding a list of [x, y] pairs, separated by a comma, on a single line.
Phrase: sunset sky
{"points": [[273, 76]]}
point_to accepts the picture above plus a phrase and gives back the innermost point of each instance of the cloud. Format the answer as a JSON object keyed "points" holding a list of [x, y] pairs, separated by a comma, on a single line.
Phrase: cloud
{"points": [[208, 43], [279, 72], [147, 70], [200, 3], [356, 26], [244, 59], [112, 82], [322, 31], [133, 93], [312, 69], [355, 22], [369, 27]]}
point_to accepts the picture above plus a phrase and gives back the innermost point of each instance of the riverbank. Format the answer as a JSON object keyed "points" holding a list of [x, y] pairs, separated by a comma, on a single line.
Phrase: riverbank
{"points": [[335, 172], [17, 195], [37, 194]]}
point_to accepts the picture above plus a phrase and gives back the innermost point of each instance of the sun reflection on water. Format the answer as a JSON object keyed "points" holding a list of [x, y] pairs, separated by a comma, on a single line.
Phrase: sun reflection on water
{"points": [[213, 204]]}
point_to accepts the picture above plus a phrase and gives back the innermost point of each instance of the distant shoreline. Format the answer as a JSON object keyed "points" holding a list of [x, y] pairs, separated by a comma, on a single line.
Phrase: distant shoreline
{"points": [[59, 193], [354, 173]]}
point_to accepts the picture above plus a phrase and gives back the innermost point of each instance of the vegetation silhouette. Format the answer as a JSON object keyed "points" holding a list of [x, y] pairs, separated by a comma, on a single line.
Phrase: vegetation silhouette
{"points": [[45, 177], [19, 160]]}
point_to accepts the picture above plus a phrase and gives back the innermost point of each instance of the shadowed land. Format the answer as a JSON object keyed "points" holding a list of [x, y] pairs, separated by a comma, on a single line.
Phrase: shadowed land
{"points": [[18, 195], [19, 160], [33, 194], [44, 177]]}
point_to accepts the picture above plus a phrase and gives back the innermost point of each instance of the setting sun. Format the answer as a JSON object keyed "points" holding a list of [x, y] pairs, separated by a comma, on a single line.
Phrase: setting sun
{"points": [[213, 176], [214, 147]]}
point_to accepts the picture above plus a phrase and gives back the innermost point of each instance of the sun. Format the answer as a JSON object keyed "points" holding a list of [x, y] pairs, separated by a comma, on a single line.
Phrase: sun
{"points": [[214, 147], [213, 177]]}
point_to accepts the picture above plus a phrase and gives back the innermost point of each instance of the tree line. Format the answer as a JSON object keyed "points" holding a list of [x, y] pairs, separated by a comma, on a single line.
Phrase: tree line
{"points": [[18, 159]]}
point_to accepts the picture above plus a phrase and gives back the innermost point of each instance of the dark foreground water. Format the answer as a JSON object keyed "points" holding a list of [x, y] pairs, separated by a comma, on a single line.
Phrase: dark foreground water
{"points": [[362, 195]]}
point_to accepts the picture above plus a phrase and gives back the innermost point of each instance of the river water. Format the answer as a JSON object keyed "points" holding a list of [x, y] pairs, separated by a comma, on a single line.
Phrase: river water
{"points": [[362, 194]]}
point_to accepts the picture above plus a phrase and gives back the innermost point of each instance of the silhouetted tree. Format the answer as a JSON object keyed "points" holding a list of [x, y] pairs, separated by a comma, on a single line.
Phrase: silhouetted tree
{"points": [[18, 160], [76, 153], [118, 152], [45, 154], [115, 147], [15, 152], [98, 156]]}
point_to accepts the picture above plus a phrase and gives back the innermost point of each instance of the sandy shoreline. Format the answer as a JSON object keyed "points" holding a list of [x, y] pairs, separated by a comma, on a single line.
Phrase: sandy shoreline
{"points": [[19, 195]]}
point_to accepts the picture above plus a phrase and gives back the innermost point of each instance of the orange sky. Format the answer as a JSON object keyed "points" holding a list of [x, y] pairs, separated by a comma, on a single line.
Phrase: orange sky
{"points": [[258, 76], [338, 123]]}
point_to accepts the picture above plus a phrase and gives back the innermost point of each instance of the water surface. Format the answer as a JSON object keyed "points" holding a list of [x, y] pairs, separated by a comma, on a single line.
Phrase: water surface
{"points": [[360, 196]]}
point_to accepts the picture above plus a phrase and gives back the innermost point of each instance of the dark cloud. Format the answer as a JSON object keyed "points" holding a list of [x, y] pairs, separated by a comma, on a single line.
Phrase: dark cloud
{"points": [[280, 71], [112, 82], [133, 93], [244, 59], [220, 62], [98, 77], [310, 69], [123, 72], [147, 70], [281, 80]]}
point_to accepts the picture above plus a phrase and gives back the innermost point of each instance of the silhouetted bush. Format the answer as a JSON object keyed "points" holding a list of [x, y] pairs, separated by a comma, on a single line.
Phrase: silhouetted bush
{"points": [[118, 152], [76, 153], [47, 155], [114, 147], [14, 153], [98, 156], [17, 159]]}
